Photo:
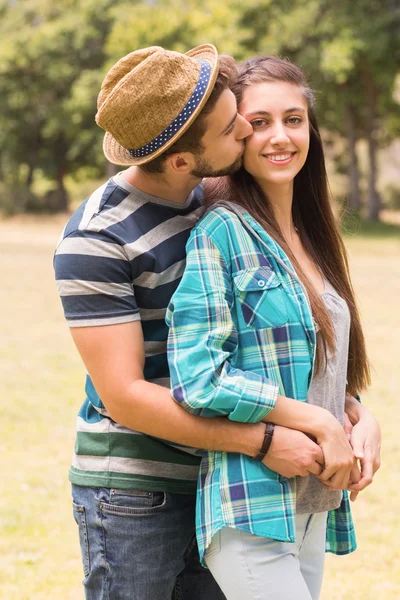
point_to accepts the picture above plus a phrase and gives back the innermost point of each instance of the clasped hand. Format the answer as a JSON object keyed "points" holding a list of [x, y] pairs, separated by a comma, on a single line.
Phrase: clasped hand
{"points": [[353, 454], [364, 436]]}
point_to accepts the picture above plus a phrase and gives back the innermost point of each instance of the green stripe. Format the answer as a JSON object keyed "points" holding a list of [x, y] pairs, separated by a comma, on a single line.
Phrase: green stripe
{"points": [[110, 479], [126, 445]]}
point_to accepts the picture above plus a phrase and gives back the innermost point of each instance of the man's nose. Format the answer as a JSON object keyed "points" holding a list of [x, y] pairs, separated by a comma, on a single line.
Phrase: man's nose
{"points": [[244, 128]]}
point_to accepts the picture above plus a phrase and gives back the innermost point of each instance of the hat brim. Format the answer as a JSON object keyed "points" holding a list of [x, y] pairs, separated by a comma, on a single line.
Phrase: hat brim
{"points": [[118, 155]]}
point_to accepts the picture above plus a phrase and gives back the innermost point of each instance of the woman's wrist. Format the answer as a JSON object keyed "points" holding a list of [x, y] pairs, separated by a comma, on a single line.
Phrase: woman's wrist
{"points": [[353, 409], [302, 416], [322, 423]]}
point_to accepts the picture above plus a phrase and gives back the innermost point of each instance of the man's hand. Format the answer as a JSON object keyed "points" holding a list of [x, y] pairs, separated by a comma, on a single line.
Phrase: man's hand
{"points": [[293, 453]]}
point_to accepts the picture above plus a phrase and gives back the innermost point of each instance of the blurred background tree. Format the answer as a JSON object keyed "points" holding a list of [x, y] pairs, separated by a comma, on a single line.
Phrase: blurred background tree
{"points": [[53, 57]]}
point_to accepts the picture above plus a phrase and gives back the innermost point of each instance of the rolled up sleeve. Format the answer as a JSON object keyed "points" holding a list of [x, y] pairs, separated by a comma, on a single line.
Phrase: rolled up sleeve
{"points": [[203, 342]]}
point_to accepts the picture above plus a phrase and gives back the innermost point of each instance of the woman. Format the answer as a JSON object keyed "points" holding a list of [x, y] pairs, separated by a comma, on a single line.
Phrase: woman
{"points": [[263, 321]]}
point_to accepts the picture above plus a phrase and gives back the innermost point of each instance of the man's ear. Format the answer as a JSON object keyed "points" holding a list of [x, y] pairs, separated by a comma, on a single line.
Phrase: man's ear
{"points": [[181, 163]]}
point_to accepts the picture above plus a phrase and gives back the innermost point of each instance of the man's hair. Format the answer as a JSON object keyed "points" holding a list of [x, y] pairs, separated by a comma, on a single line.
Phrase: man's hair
{"points": [[191, 139]]}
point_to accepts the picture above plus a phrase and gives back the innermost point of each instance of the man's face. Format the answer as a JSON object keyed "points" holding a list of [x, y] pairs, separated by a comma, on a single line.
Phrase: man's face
{"points": [[223, 141]]}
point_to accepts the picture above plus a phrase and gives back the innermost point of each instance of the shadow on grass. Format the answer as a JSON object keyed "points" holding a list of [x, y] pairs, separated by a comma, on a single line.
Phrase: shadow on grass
{"points": [[352, 224]]}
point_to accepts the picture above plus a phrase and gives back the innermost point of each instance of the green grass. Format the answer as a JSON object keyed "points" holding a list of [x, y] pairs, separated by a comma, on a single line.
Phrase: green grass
{"points": [[41, 386], [352, 225]]}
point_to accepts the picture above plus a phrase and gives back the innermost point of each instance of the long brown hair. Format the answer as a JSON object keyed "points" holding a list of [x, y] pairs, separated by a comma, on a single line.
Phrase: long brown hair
{"points": [[312, 216]]}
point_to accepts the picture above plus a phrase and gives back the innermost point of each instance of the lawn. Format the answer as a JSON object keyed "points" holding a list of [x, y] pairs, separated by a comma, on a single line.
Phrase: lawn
{"points": [[41, 383]]}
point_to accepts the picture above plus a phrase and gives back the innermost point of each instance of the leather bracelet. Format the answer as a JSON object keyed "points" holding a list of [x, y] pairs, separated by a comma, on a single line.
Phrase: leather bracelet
{"points": [[269, 432]]}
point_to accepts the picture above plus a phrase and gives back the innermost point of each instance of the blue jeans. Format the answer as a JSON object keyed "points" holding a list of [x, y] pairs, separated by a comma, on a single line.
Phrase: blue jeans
{"points": [[139, 545]]}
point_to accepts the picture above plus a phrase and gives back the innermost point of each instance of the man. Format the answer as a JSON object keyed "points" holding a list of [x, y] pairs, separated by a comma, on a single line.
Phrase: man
{"points": [[172, 119]]}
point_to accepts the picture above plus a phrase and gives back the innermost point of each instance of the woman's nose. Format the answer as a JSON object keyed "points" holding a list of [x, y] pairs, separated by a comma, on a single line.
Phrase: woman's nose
{"points": [[279, 134]]}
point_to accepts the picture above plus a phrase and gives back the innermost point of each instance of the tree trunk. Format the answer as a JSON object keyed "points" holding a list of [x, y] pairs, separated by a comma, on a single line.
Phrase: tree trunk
{"points": [[353, 170], [56, 200], [111, 169], [62, 194], [29, 177], [373, 199]]}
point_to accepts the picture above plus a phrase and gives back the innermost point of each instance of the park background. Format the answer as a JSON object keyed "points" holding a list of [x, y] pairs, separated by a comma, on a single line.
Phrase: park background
{"points": [[53, 57]]}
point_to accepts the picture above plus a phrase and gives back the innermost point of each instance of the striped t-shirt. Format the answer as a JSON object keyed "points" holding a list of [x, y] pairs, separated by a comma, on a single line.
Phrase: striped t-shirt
{"points": [[120, 259]]}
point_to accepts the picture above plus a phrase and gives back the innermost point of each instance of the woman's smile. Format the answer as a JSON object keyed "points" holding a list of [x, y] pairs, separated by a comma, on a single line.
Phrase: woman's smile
{"points": [[281, 159]]}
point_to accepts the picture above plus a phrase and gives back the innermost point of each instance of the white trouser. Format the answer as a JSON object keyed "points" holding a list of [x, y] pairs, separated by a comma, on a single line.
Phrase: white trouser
{"points": [[250, 567]]}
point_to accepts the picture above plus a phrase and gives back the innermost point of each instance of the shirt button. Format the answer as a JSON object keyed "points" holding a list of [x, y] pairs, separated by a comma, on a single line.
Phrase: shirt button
{"points": [[261, 283]]}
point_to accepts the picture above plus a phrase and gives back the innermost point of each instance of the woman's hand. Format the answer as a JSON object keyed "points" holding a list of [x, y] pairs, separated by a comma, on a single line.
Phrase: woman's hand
{"points": [[366, 442], [355, 474], [325, 428], [340, 464]]}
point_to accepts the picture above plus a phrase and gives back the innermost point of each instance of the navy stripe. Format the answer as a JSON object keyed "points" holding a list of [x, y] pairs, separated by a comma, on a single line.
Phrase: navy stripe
{"points": [[132, 227], [92, 268], [155, 331], [156, 366], [75, 219], [163, 255], [148, 216], [112, 196], [92, 235], [98, 306], [157, 298], [151, 215]]}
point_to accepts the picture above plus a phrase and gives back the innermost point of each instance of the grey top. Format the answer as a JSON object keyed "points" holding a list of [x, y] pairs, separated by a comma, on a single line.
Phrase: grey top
{"points": [[328, 390]]}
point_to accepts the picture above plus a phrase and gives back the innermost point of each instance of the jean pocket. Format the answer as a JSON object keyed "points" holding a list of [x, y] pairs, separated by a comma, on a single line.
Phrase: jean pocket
{"points": [[80, 518], [134, 502], [215, 545], [261, 298]]}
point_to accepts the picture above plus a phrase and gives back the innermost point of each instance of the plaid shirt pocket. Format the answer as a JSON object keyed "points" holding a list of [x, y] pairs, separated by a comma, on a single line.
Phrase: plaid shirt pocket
{"points": [[261, 297]]}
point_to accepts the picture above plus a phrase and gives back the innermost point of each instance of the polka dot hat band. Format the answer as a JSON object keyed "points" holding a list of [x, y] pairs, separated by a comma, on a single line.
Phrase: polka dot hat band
{"points": [[181, 119], [150, 97]]}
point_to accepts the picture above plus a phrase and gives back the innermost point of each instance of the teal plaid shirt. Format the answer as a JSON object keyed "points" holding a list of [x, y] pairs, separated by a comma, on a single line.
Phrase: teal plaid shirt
{"points": [[241, 332]]}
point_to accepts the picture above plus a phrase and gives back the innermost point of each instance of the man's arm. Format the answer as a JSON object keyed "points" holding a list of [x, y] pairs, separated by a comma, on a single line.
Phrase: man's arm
{"points": [[114, 355], [114, 358]]}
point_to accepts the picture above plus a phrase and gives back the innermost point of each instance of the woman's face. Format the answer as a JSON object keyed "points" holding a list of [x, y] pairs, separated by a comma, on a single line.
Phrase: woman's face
{"points": [[278, 147]]}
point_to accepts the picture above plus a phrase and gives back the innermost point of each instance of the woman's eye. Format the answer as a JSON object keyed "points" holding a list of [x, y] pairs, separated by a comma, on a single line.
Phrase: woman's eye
{"points": [[295, 120], [257, 123]]}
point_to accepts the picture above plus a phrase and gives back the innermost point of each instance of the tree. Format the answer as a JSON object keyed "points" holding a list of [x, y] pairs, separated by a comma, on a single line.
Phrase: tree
{"points": [[345, 48], [176, 25], [51, 56]]}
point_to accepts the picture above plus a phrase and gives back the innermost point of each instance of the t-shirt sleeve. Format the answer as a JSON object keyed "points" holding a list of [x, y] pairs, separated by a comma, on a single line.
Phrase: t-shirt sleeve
{"points": [[94, 279]]}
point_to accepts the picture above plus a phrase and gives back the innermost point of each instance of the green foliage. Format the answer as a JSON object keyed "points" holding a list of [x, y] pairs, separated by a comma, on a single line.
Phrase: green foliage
{"points": [[15, 199], [392, 196], [53, 57], [176, 25], [50, 72]]}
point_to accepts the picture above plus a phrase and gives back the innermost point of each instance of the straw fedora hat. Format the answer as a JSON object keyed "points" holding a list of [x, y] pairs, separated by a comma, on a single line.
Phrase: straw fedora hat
{"points": [[150, 97]]}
